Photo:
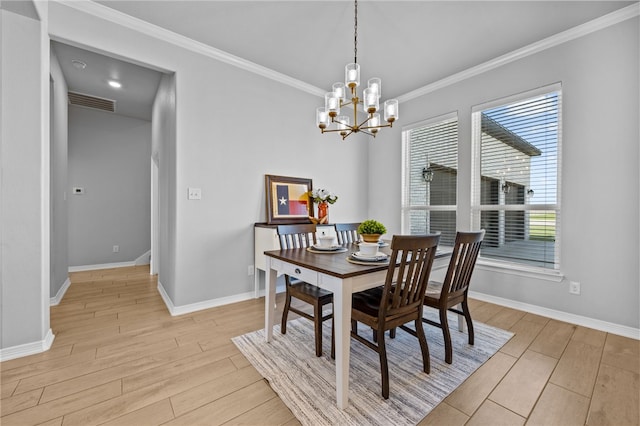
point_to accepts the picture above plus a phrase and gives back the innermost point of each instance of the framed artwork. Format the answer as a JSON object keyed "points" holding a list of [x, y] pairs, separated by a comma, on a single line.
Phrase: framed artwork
{"points": [[287, 199]]}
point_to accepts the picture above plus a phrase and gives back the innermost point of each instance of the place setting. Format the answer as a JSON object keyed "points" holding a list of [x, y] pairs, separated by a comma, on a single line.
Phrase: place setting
{"points": [[326, 245], [368, 255]]}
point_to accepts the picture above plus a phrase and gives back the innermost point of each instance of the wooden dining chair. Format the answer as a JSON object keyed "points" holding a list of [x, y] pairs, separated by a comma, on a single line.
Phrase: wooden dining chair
{"points": [[399, 301], [453, 290], [347, 232], [300, 236]]}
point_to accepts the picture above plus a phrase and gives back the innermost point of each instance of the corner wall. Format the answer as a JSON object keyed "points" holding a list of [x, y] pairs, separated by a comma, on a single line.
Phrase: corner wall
{"points": [[24, 186], [59, 189]]}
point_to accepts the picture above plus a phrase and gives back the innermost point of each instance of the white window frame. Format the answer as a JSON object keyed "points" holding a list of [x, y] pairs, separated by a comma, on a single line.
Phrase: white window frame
{"points": [[502, 265]]}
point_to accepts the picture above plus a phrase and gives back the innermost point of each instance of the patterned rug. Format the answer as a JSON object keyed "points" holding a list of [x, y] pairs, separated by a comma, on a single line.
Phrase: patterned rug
{"points": [[306, 383]]}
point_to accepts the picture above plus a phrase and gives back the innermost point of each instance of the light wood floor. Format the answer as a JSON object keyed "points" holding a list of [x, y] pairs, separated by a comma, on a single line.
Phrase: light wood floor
{"points": [[119, 358]]}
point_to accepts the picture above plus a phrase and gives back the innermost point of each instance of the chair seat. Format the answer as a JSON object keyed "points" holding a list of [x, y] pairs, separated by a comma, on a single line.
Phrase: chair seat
{"points": [[316, 292], [367, 301], [434, 289]]}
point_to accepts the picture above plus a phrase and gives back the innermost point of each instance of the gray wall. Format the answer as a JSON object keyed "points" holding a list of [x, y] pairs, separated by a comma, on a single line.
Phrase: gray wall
{"points": [[58, 183], [163, 154], [600, 182], [24, 199], [109, 157]]}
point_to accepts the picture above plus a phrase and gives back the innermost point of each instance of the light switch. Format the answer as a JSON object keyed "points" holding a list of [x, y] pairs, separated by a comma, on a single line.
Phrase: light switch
{"points": [[195, 194]]}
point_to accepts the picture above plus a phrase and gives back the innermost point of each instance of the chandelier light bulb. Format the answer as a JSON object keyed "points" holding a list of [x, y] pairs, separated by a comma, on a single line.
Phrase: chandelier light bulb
{"points": [[370, 100], [352, 75], [391, 110], [374, 122], [322, 118], [340, 90], [375, 84], [344, 124], [332, 104]]}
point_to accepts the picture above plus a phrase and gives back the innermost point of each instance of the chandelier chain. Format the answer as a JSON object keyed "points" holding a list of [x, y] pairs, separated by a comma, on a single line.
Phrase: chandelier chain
{"points": [[355, 32]]}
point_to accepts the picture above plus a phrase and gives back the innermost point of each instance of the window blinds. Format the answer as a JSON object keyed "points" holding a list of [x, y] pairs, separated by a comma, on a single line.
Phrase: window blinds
{"points": [[515, 189], [431, 178]]}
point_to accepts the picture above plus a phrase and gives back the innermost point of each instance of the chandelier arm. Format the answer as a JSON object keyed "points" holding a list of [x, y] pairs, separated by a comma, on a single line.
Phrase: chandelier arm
{"points": [[360, 126], [351, 130], [380, 126], [345, 136]]}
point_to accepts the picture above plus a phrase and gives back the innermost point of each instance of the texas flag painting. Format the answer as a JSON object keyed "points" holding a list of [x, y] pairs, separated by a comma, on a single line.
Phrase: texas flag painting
{"points": [[291, 200]]}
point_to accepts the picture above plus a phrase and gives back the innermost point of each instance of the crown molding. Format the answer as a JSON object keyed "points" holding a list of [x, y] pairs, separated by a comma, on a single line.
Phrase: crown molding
{"points": [[151, 30], [119, 18], [597, 24]]}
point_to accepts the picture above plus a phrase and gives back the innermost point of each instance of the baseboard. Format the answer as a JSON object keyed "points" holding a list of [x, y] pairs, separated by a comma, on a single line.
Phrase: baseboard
{"points": [[144, 259], [58, 297], [194, 307], [28, 348], [620, 330], [279, 289], [101, 266]]}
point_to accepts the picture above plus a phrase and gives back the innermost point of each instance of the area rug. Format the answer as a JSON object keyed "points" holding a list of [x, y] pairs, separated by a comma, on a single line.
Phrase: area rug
{"points": [[306, 383]]}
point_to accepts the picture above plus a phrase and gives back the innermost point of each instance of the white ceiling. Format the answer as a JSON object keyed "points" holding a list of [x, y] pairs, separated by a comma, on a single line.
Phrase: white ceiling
{"points": [[139, 84], [409, 44]]}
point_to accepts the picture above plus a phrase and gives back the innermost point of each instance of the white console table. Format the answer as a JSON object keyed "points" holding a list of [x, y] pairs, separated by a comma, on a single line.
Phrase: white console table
{"points": [[266, 238]]}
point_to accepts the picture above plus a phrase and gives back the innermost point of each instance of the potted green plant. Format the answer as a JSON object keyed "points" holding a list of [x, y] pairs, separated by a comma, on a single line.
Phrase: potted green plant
{"points": [[371, 230]]}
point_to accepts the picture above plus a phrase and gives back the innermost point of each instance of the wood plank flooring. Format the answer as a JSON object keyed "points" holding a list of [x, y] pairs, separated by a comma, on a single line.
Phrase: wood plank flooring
{"points": [[119, 358]]}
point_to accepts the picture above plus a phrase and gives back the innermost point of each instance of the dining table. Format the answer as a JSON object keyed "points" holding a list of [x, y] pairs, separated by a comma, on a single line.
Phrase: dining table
{"points": [[338, 272]]}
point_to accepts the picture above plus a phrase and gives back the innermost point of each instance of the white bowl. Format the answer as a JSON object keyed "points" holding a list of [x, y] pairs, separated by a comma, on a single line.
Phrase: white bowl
{"points": [[368, 249], [325, 240]]}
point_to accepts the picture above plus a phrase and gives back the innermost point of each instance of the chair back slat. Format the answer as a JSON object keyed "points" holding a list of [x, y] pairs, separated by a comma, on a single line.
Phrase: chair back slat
{"points": [[410, 262], [297, 236], [347, 232], [463, 260]]}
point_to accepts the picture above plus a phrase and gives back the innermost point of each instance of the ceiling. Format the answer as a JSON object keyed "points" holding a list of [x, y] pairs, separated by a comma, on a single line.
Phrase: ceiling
{"points": [[409, 44], [139, 84]]}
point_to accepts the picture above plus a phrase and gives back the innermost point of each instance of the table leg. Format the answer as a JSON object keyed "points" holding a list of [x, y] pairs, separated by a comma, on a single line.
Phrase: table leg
{"points": [[270, 281], [342, 319], [461, 320]]}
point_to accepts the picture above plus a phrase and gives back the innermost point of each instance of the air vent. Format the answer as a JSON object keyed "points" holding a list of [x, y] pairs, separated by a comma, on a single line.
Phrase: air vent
{"points": [[88, 101]]}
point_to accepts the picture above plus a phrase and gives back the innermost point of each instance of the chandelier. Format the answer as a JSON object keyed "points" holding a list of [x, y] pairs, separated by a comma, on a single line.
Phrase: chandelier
{"points": [[342, 112]]}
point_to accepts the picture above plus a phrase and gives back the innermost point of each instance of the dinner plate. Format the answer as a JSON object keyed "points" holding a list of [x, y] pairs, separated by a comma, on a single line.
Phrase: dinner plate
{"points": [[351, 259], [339, 250], [322, 248], [378, 257]]}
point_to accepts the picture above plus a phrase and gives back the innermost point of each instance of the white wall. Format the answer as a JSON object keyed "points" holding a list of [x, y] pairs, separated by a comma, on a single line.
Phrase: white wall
{"points": [[58, 184], [24, 187], [109, 158], [163, 155], [600, 182]]}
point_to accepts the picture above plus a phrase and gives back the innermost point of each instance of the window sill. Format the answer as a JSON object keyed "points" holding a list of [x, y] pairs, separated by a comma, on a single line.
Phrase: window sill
{"points": [[520, 270]]}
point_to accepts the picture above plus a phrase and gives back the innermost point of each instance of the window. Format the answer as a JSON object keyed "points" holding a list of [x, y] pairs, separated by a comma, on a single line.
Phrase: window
{"points": [[516, 170], [430, 175]]}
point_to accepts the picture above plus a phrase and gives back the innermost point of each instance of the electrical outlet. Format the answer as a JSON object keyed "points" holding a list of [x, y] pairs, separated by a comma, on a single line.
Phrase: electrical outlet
{"points": [[116, 249], [250, 270], [195, 194], [574, 287]]}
